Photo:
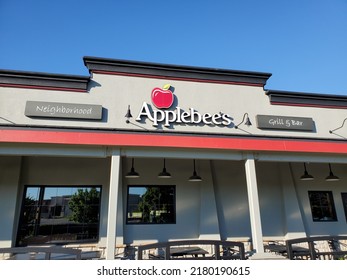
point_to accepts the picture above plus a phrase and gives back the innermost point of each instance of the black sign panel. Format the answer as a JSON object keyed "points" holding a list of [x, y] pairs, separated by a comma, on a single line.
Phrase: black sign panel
{"points": [[285, 123]]}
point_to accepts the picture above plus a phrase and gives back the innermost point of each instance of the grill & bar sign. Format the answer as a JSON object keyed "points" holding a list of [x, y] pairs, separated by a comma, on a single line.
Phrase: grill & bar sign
{"points": [[284, 123]]}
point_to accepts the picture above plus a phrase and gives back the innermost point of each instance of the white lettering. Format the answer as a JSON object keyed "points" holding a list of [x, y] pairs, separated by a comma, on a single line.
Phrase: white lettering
{"points": [[276, 121], [185, 116], [178, 113], [285, 122], [170, 117], [206, 118], [195, 116], [158, 116], [227, 120], [144, 112], [215, 119], [60, 109], [297, 123], [180, 116]]}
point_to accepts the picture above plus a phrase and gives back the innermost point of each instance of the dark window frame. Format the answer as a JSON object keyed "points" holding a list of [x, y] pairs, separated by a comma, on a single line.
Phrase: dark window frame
{"points": [[344, 202], [325, 205], [42, 188], [172, 216]]}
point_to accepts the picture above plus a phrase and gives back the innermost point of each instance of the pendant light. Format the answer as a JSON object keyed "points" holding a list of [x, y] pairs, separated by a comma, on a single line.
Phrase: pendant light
{"points": [[164, 174], [306, 176], [245, 120], [195, 177], [331, 177], [128, 115], [132, 173]]}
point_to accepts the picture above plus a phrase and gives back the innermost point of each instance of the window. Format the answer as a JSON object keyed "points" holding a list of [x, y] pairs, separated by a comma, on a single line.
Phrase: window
{"points": [[151, 205], [322, 206], [344, 203], [52, 214]]}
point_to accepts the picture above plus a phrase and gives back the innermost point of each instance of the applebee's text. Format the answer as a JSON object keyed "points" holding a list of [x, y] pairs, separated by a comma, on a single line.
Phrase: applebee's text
{"points": [[180, 116]]}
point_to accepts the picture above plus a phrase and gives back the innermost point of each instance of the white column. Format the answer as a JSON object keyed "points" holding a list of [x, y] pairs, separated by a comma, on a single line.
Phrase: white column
{"points": [[254, 209], [112, 207]]}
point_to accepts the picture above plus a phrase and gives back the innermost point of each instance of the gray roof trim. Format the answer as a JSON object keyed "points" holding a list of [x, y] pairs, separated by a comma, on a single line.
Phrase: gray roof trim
{"points": [[136, 68], [12, 78], [288, 98]]}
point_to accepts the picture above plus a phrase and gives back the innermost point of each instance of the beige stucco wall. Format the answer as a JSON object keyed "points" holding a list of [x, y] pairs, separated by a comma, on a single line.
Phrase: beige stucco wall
{"points": [[115, 93]]}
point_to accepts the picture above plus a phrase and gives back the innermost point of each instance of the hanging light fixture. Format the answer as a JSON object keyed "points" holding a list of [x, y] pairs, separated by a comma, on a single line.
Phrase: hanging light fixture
{"points": [[245, 120], [164, 173], [195, 177], [132, 173], [343, 123], [128, 115], [331, 177], [306, 176]]}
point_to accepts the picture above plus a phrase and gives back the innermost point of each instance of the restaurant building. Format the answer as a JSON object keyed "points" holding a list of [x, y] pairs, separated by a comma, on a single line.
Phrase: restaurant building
{"points": [[141, 152]]}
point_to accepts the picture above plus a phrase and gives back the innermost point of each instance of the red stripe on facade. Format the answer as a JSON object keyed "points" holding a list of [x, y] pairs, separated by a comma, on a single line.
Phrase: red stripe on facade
{"points": [[175, 78], [42, 87], [170, 141]]}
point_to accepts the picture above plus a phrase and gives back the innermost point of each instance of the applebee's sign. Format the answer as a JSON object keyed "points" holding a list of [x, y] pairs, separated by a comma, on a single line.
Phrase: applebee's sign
{"points": [[163, 98]]}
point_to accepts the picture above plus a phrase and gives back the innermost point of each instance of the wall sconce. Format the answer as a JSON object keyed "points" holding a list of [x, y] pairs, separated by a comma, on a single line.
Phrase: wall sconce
{"points": [[132, 173], [245, 120], [164, 173], [306, 176], [331, 177], [343, 123], [128, 115], [195, 177]]}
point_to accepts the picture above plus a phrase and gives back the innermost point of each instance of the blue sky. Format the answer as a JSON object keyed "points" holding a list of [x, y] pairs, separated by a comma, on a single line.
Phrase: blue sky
{"points": [[303, 43]]}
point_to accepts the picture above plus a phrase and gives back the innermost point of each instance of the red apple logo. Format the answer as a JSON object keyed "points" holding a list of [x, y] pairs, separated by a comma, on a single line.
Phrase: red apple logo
{"points": [[162, 98]]}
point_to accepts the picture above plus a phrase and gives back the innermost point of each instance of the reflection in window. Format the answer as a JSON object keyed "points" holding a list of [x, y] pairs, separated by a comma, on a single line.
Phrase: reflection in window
{"points": [[344, 203], [151, 205], [322, 206], [53, 214]]}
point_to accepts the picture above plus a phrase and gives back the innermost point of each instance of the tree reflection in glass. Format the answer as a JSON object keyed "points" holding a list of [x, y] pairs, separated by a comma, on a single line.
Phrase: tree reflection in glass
{"points": [[151, 205]]}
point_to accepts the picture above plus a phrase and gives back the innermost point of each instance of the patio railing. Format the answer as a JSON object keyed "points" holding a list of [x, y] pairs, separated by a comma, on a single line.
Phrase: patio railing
{"points": [[317, 248], [46, 253], [192, 249]]}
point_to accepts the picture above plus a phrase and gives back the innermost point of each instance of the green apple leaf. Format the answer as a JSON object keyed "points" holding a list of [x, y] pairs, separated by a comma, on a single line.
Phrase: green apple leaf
{"points": [[167, 86]]}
